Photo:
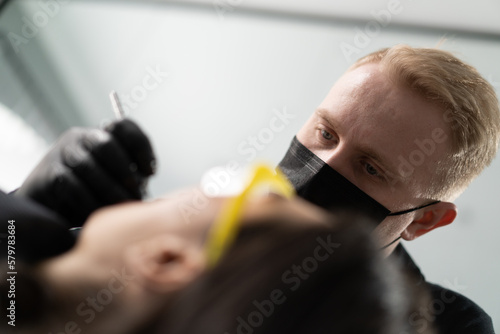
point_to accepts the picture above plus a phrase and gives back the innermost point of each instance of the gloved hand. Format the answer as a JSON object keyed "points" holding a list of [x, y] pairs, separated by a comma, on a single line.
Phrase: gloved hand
{"points": [[90, 168]]}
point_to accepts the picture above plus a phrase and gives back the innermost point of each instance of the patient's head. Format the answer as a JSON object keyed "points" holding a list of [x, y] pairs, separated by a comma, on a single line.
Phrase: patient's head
{"points": [[136, 265], [132, 258]]}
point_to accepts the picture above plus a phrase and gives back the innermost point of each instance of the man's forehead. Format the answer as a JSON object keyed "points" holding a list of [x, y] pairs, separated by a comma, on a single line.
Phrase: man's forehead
{"points": [[404, 132]]}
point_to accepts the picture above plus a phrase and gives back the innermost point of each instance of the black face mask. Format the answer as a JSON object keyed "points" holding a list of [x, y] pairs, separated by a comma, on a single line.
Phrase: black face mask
{"points": [[320, 184]]}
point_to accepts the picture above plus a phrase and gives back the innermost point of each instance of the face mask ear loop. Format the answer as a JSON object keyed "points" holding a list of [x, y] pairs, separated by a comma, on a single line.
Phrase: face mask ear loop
{"points": [[402, 213], [411, 210], [389, 244]]}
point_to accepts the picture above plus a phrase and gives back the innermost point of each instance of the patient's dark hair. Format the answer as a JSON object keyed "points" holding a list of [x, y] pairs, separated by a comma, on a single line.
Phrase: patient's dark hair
{"points": [[344, 286]]}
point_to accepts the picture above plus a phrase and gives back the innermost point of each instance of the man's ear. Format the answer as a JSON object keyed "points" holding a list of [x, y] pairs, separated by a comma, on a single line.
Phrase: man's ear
{"points": [[434, 216], [166, 263]]}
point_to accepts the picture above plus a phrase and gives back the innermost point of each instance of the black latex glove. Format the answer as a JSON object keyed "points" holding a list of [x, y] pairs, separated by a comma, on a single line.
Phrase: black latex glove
{"points": [[90, 168]]}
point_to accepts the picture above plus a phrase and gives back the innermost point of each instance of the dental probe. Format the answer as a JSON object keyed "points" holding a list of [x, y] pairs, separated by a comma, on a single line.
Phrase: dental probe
{"points": [[120, 114], [117, 106]]}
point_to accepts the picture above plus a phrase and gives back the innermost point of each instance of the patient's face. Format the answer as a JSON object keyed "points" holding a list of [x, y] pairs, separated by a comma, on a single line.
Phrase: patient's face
{"points": [[159, 246], [112, 232]]}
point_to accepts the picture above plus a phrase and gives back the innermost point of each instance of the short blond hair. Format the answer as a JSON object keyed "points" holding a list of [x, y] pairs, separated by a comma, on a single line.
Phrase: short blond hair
{"points": [[469, 103]]}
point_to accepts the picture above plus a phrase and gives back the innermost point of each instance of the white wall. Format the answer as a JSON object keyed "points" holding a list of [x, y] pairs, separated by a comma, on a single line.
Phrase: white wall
{"points": [[227, 77], [477, 16]]}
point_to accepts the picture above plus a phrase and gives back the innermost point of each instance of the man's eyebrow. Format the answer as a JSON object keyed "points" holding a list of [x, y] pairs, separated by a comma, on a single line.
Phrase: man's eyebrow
{"points": [[323, 114]]}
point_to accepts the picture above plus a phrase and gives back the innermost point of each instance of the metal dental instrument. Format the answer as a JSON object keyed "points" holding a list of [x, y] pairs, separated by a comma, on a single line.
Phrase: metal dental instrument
{"points": [[120, 114], [116, 104]]}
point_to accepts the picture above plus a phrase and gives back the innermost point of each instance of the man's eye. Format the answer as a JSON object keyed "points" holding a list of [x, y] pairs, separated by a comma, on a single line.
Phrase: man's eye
{"points": [[371, 170], [327, 135]]}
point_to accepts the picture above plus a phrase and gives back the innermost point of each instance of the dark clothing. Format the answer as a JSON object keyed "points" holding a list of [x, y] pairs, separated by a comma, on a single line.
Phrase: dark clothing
{"points": [[36, 233], [452, 312]]}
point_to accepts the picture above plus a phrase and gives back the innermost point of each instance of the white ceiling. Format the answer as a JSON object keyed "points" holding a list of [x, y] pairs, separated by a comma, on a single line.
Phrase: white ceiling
{"points": [[479, 16]]}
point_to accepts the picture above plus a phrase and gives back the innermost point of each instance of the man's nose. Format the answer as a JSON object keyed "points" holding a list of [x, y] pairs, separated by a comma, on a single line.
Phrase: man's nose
{"points": [[339, 158]]}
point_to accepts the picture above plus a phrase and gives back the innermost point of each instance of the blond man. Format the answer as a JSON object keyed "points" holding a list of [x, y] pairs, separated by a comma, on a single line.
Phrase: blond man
{"points": [[402, 134]]}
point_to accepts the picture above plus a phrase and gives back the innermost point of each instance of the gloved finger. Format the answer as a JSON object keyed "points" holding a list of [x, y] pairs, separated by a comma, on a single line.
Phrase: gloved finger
{"points": [[75, 206], [136, 143], [100, 184], [114, 160]]}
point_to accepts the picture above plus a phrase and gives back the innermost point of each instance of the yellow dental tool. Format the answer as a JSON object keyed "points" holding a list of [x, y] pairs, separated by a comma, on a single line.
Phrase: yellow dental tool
{"points": [[225, 227]]}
